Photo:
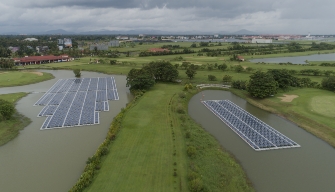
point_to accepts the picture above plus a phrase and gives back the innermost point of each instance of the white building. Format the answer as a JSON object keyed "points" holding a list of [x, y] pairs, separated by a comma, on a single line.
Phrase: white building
{"points": [[261, 40], [30, 39]]}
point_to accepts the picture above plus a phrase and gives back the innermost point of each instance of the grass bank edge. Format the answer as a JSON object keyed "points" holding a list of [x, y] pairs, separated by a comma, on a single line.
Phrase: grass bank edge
{"points": [[14, 125], [44, 77], [93, 163], [233, 177]]}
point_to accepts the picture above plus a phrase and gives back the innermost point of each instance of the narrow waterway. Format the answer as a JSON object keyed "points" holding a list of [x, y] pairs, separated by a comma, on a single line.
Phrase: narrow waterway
{"points": [[309, 168], [52, 160]]}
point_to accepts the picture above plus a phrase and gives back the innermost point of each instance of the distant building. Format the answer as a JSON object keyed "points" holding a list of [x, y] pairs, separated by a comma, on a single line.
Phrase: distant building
{"points": [[41, 59], [14, 49], [114, 43], [100, 47], [30, 39], [261, 40], [158, 50], [240, 58], [42, 49], [65, 43]]}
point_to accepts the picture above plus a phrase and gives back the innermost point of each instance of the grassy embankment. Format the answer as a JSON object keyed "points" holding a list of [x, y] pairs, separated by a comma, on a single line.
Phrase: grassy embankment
{"points": [[313, 110], [150, 151], [17, 78], [9, 129]]}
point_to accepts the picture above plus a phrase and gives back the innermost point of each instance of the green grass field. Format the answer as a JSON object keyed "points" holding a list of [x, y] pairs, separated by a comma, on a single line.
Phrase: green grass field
{"points": [[151, 148], [9, 129], [17, 78]]}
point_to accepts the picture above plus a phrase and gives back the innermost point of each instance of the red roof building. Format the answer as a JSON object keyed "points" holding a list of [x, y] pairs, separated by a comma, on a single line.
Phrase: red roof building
{"points": [[41, 59], [240, 58], [158, 50]]}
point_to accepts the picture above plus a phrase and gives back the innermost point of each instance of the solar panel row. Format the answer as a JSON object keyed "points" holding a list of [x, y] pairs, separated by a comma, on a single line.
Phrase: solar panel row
{"points": [[75, 102], [256, 133]]}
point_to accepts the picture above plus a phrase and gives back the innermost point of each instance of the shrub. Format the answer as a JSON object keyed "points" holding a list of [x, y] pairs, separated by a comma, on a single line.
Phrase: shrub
{"points": [[7, 109], [77, 72], [196, 185], [211, 78], [180, 109], [191, 151], [182, 95]]}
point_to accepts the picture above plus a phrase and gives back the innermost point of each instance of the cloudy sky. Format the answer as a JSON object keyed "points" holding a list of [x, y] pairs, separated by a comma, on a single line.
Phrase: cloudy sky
{"points": [[265, 16]]}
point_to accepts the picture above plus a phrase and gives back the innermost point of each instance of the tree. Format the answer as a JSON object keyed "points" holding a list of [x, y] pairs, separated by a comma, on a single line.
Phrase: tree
{"points": [[185, 64], [139, 79], [262, 85], [77, 72], [176, 66], [7, 109], [238, 68], [162, 71], [194, 45], [227, 79], [328, 83], [211, 78], [190, 72], [222, 67]]}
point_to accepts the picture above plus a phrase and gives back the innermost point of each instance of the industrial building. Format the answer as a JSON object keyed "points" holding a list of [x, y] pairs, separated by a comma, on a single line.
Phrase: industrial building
{"points": [[114, 43], [261, 40], [99, 47]]}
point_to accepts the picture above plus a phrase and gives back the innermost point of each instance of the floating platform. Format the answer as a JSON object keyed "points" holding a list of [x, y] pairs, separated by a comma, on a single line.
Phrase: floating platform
{"points": [[76, 102], [259, 135]]}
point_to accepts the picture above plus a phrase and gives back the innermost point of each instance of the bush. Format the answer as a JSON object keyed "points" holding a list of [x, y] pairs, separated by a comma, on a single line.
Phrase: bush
{"points": [[77, 72], [182, 95], [180, 109], [211, 78], [196, 185], [7, 109], [191, 151]]}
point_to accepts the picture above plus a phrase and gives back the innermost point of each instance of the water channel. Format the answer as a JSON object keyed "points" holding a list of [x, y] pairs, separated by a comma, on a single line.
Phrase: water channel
{"points": [[297, 59], [52, 160], [308, 168]]}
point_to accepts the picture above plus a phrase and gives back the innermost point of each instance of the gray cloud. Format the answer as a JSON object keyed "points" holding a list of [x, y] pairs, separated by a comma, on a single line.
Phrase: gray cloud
{"points": [[285, 16]]}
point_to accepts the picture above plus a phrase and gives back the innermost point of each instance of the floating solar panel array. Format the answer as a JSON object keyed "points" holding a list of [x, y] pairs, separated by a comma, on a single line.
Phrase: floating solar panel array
{"points": [[76, 102], [255, 132]]}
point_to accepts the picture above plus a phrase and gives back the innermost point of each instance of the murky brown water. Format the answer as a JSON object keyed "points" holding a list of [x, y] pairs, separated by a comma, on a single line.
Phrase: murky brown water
{"points": [[309, 168], [52, 160]]}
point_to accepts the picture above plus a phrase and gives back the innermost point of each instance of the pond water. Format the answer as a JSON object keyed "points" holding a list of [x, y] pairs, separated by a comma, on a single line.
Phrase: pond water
{"points": [[52, 160], [308, 168], [297, 59]]}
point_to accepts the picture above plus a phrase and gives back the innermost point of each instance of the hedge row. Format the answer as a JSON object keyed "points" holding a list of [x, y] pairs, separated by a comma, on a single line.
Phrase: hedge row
{"points": [[93, 163]]}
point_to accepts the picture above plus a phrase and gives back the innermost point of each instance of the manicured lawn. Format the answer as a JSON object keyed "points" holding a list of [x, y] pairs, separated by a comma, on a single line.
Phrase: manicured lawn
{"points": [[9, 129], [149, 153], [141, 158], [17, 78]]}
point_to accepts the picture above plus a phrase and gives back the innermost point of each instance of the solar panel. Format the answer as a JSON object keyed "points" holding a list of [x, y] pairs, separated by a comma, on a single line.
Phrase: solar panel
{"points": [[252, 130], [76, 102]]}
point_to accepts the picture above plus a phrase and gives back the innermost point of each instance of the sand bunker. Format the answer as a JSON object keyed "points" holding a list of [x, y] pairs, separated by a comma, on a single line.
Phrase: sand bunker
{"points": [[288, 98], [3, 73]]}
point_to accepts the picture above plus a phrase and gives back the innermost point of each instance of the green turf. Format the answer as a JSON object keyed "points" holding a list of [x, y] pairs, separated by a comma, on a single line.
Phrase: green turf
{"points": [[17, 78], [151, 146], [9, 129], [324, 105]]}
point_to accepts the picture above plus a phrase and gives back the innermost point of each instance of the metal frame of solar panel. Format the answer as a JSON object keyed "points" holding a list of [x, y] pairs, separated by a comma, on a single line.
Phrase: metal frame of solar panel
{"points": [[253, 131], [76, 102]]}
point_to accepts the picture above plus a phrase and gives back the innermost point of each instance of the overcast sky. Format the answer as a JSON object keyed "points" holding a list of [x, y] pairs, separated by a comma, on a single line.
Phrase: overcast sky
{"points": [[265, 16]]}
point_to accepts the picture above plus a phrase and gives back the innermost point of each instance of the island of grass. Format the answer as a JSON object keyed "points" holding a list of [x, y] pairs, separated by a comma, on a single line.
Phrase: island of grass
{"points": [[9, 129], [23, 77], [160, 148]]}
